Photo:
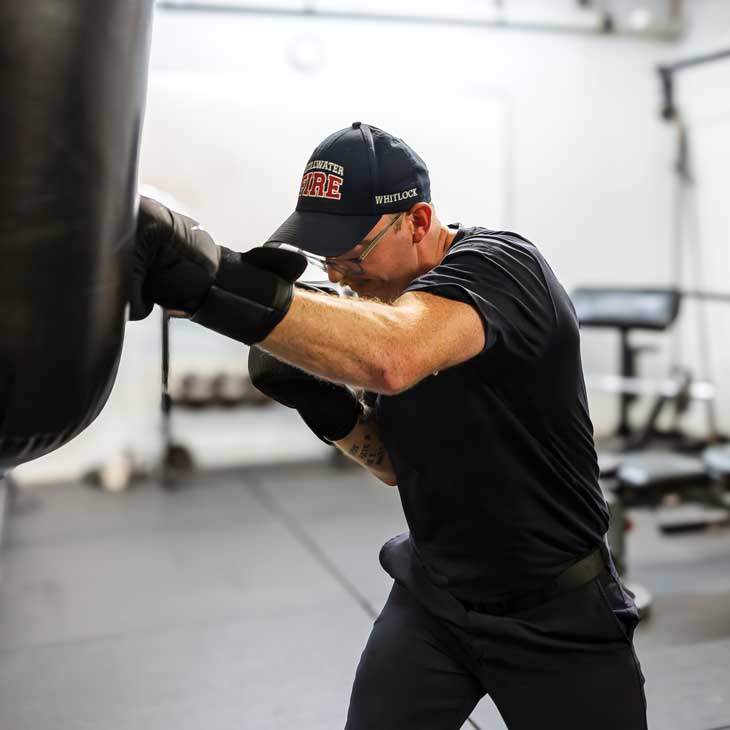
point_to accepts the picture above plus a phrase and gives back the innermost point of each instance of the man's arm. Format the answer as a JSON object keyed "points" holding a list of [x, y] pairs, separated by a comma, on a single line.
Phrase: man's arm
{"points": [[332, 411], [385, 348], [250, 297], [365, 446]]}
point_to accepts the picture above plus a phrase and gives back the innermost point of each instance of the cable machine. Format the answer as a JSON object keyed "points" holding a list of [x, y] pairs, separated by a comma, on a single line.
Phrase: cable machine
{"points": [[686, 247]]}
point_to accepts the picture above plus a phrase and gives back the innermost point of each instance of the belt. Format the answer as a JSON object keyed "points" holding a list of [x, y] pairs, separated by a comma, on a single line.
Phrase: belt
{"points": [[578, 574]]}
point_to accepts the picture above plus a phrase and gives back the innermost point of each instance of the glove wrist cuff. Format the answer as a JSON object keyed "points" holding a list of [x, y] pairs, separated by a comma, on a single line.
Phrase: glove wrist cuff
{"points": [[244, 302], [335, 431]]}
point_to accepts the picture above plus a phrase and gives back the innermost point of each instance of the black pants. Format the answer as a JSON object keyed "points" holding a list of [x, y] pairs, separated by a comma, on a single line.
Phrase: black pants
{"points": [[567, 664]]}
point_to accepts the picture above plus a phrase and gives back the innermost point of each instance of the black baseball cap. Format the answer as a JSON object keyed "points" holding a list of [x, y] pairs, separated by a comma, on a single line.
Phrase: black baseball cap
{"points": [[352, 178]]}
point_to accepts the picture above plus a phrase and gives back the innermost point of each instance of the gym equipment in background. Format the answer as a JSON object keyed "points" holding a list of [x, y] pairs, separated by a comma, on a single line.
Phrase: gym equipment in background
{"points": [[644, 309], [653, 467], [648, 466], [196, 392], [627, 310]]}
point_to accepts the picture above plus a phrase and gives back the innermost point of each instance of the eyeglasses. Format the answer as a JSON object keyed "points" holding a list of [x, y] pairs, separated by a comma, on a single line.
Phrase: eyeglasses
{"points": [[352, 266]]}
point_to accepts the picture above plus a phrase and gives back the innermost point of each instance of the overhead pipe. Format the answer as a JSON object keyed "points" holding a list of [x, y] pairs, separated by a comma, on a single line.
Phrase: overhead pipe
{"points": [[583, 22]]}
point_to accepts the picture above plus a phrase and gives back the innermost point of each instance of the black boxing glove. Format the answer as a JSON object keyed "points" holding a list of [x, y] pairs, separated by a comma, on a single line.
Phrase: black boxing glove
{"points": [[178, 265], [330, 410]]}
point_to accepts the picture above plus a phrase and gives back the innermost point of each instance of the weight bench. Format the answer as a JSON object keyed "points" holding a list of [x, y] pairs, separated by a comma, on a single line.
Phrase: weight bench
{"points": [[626, 310], [655, 478]]}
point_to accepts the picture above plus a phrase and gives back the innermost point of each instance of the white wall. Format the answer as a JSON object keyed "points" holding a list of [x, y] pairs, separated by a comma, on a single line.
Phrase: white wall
{"points": [[554, 135]]}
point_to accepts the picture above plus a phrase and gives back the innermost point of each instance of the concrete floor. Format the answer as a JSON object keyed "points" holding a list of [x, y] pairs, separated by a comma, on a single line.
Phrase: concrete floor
{"points": [[243, 599]]}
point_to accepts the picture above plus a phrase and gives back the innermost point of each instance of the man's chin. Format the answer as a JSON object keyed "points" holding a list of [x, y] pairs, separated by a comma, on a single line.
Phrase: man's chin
{"points": [[372, 289], [358, 286], [364, 288]]}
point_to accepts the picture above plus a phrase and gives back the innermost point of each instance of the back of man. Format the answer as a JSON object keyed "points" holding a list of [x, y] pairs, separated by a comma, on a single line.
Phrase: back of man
{"points": [[504, 585], [495, 459]]}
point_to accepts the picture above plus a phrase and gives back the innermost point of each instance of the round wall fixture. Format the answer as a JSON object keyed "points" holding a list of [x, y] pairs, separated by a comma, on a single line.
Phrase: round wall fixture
{"points": [[306, 53]]}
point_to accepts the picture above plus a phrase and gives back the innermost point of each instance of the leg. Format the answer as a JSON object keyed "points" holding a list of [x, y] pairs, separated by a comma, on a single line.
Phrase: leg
{"points": [[413, 674], [570, 664]]}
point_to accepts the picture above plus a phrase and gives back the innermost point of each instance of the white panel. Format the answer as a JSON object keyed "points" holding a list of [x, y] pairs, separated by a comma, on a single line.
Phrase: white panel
{"points": [[240, 148]]}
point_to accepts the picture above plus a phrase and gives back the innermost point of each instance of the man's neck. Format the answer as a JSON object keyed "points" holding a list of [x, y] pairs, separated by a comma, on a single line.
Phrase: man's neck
{"points": [[439, 239], [446, 237]]}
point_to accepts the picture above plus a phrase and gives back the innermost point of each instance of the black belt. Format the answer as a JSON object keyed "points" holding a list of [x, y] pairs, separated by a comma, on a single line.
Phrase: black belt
{"points": [[578, 574]]}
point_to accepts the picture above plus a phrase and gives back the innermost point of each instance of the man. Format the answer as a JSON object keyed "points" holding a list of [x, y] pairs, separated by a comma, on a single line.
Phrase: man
{"points": [[469, 347]]}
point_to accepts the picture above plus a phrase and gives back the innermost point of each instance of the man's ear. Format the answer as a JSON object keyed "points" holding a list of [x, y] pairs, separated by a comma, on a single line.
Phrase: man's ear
{"points": [[421, 215]]}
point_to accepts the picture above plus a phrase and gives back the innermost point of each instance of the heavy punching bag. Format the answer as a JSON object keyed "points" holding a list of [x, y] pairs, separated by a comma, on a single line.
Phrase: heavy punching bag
{"points": [[73, 77]]}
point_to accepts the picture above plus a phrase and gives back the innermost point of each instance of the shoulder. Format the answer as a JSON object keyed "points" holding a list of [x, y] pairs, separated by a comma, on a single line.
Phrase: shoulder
{"points": [[490, 243], [490, 258]]}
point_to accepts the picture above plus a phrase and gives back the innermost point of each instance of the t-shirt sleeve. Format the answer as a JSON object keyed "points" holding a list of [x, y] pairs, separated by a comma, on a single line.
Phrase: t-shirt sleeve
{"points": [[506, 285]]}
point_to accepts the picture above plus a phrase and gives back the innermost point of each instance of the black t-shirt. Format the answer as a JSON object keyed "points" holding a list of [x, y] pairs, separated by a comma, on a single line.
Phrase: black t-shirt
{"points": [[495, 460]]}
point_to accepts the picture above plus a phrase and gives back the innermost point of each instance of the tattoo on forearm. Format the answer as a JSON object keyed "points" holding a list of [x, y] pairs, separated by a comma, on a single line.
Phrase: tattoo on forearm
{"points": [[368, 448], [367, 452]]}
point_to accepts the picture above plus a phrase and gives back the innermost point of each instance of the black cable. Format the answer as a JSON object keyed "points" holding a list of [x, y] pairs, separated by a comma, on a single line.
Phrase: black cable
{"points": [[686, 213], [695, 61], [666, 73], [165, 400]]}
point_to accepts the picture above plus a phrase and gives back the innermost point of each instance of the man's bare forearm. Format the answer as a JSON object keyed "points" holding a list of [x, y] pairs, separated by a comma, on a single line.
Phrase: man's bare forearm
{"points": [[365, 446], [339, 339]]}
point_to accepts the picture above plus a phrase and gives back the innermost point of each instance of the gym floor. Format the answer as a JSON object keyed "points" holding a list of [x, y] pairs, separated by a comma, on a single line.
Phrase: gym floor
{"points": [[243, 599]]}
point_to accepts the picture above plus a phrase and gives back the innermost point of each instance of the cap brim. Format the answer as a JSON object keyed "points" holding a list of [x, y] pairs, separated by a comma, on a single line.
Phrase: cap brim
{"points": [[324, 234]]}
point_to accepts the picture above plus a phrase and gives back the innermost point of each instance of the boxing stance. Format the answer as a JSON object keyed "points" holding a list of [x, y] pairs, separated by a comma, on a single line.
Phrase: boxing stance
{"points": [[467, 347]]}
